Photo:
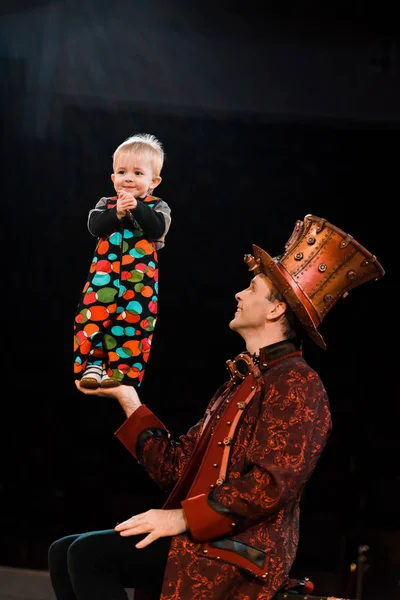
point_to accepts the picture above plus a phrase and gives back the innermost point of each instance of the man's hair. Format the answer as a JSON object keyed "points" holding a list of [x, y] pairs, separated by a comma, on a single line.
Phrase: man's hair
{"points": [[291, 326], [147, 145]]}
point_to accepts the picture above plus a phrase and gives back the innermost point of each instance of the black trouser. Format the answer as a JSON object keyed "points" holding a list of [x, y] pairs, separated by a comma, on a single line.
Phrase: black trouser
{"points": [[99, 565]]}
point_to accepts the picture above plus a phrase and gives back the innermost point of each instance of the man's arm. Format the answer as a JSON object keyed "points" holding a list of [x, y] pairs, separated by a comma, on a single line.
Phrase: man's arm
{"points": [[147, 438], [156, 522]]}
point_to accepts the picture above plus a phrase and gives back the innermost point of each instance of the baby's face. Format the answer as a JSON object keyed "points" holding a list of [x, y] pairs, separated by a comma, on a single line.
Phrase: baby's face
{"points": [[133, 174]]}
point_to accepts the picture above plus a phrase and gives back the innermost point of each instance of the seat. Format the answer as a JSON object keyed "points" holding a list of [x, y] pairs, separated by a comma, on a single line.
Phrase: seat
{"points": [[302, 589]]}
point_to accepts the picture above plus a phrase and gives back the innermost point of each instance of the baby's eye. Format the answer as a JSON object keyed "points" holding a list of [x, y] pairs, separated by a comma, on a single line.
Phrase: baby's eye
{"points": [[138, 172], [121, 172]]}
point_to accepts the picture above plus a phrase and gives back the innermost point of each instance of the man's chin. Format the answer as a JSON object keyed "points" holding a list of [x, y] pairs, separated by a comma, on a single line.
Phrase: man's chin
{"points": [[233, 325]]}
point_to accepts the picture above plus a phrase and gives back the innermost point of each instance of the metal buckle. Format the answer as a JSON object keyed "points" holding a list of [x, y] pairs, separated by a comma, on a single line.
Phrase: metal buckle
{"points": [[242, 366]]}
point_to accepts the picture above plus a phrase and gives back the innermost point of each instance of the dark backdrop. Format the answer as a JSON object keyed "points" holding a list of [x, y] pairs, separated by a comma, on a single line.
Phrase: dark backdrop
{"points": [[231, 181]]}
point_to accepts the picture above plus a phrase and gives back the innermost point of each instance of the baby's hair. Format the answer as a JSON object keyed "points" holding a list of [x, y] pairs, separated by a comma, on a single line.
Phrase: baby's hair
{"points": [[144, 144]]}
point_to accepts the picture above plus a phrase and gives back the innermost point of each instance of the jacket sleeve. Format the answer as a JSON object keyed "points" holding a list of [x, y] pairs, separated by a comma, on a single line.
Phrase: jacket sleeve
{"points": [[149, 441], [156, 221], [102, 220], [289, 436]]}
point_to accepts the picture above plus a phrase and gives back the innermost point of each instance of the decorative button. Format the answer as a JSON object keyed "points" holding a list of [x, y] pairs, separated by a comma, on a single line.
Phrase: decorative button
{"points": [[233, 524], [212, 485], [227, 441], [205, 551], [241, 405], [229, 422], [219, 443], [220, 481], [218, 417], [215, 465]]}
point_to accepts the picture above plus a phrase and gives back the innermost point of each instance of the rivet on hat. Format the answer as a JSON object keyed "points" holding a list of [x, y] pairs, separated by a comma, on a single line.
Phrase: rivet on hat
{"points": [[298, 256], [351, 274], [311, 241], [251, 262], [322, 267], [328, 297]]}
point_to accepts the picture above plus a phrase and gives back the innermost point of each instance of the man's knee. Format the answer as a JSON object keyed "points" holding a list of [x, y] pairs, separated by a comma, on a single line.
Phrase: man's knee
{"points": [[88, 549], [58, 552], [60, 547]]}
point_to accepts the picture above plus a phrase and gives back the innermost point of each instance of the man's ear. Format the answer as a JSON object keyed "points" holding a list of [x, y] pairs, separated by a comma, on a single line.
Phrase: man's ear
{"points": [[277, 311]]}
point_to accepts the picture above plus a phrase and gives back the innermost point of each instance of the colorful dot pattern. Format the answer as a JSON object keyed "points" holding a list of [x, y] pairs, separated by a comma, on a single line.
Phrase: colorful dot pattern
{"points": [[117, 312]]}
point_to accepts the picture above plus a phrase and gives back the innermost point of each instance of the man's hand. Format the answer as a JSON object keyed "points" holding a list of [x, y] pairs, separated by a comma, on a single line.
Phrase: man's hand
{"points": [[126, 395], [156, 522], [125, 203]]}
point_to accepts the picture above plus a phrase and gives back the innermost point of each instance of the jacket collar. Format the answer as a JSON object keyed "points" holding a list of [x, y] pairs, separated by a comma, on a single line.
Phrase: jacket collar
{"points": [[269, 355]]}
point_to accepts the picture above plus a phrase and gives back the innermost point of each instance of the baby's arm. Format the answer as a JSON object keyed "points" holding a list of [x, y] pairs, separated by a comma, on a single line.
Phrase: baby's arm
{"points": [[151, 221], [102, 220]]}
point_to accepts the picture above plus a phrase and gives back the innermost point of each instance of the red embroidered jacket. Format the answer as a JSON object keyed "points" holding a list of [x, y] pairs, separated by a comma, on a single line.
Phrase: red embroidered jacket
{"points": [[239, 475]]}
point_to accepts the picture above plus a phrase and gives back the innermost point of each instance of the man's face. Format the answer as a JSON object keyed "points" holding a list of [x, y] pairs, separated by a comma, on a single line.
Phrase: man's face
{"points": [[253, 306]]}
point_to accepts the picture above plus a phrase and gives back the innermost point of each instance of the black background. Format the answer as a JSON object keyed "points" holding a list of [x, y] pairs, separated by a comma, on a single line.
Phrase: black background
{"points": [[231, 180]]}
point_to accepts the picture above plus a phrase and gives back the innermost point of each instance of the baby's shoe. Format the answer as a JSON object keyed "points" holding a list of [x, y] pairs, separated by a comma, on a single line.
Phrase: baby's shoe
{"points": [[108, 382], [92, 376]]}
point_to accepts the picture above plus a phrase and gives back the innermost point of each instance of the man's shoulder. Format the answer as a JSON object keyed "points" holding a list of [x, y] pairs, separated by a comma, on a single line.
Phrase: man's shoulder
{"points": [[294, 370]]}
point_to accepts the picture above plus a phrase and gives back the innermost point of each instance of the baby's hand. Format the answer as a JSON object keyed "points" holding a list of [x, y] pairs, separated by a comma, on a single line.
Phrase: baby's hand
{"points": [[125, 203]]}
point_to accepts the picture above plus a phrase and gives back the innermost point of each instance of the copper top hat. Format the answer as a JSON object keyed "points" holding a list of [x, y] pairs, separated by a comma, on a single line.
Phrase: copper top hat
{"points": [[321, 264]]}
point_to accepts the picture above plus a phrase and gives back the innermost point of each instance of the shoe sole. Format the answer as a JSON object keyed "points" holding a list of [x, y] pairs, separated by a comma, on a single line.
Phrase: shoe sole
{"points": [[110, 383], [89, 383]]}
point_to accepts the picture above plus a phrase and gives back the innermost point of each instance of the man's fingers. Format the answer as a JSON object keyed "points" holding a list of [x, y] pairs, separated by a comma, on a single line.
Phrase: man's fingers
{"points": [[130, 523], [149, 539]]}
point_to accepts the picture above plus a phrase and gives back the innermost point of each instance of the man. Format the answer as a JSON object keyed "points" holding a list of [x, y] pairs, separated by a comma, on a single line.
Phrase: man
{"points": [[230, 526]]}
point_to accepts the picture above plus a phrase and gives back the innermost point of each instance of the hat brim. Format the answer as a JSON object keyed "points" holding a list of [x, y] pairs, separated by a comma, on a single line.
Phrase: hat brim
{"points": [[292, 292]]}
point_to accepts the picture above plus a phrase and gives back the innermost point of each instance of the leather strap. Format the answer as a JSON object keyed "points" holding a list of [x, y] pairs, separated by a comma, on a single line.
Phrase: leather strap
{"points": [[241, 406]]}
